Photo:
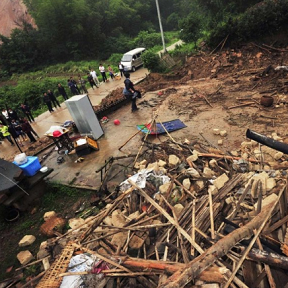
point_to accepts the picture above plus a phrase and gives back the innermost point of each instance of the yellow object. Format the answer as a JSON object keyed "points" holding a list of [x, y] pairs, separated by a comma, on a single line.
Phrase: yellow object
{"points": [[4, 131]]}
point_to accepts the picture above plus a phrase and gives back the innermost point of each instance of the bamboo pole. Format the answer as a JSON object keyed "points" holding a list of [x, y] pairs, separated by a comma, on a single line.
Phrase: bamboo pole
{"points": [[266, 218], [219, 249], [167, 216], [143, 142], [193, 226], [225, 157], [105, 213], [267, 268], [241, 105], [211, 214], [180, 148]]}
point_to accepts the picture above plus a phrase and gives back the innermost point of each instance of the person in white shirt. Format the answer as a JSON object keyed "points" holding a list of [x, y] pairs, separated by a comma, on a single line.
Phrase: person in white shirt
{"points": [[121, 68], [5, 114], [103, 73], [94, 76]]}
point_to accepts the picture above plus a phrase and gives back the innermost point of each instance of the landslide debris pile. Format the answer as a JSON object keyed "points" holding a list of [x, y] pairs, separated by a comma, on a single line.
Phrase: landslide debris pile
{"points": [[232, 78], [187, 216]]}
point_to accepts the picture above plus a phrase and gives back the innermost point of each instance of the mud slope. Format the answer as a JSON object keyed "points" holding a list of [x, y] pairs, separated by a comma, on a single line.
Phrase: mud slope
{"points": [[11, 13]]}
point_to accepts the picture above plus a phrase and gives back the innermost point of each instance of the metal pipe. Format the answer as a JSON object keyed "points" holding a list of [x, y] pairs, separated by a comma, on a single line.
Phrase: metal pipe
{"points": [[15, 184], [270, 142]]}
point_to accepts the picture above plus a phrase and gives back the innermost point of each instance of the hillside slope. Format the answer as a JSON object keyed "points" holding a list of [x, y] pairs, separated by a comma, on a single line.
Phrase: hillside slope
{"points": [[11, 13]]}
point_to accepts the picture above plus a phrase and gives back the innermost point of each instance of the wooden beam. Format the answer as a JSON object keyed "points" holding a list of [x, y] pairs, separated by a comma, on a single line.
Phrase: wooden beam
{"points": [[276, 225], [219, 249], [167, 216]]}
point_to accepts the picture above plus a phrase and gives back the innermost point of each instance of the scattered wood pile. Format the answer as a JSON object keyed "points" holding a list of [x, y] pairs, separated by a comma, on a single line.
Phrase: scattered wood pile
{"points": [[187, 217]]}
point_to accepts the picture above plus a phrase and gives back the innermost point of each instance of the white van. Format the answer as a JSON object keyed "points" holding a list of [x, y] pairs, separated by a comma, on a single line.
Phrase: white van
{"points": [[132, 59]]}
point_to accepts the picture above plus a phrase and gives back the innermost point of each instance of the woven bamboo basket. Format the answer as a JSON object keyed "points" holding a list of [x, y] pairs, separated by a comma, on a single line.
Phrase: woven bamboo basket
{"points": [[51, 278]]}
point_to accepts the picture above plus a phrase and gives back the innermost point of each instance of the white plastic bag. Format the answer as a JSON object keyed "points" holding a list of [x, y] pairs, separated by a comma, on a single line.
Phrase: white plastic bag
{"points": [[54, 128], [20, 159]]}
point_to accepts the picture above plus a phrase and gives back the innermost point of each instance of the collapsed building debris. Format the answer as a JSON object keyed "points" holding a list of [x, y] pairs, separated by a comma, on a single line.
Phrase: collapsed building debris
{"points": [[221, 218], [186, 217]]}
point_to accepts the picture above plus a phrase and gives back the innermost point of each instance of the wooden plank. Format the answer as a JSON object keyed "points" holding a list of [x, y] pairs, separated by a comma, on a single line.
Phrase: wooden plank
{"points": [[167, 216], [221, 248], [276, 225]]}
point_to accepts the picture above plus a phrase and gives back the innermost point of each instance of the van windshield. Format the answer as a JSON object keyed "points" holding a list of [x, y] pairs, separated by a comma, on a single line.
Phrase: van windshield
{"points": [[126, 58]]}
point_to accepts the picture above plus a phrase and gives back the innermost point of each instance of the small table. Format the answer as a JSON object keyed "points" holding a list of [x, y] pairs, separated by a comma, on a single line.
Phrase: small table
{"points": [[62, 142]]}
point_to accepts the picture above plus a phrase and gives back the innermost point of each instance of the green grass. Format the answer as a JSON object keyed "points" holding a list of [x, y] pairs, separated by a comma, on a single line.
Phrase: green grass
{"points": [[29, 87], [26, 225], [185, 49], [73, 68]]}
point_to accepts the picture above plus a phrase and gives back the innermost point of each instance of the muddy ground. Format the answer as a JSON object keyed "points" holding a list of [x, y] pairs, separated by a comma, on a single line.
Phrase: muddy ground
{"points": [[206, 91], [220, 91], [202, 93]]}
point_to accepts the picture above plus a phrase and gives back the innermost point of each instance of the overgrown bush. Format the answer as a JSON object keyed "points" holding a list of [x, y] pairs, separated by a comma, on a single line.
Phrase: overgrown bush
{"points": [[115, 58], [183, 50], [262, 19], [190, 28], [152, 61], [147, 39]]}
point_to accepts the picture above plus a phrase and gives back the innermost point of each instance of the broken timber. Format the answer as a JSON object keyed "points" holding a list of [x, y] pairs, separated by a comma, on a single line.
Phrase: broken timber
{"points": [[219, 249]]}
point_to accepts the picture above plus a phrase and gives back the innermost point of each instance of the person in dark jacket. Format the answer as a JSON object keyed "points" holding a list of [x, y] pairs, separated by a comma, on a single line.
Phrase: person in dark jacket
{"points": [[47, 101], [62, 91], [91, 81], [129, 92], [53, 99], [75, 83], [82, 82], [72, 87], [27, 112], [18, 129], [12, 114], [32, 130], [26, 128], [15, 134]]}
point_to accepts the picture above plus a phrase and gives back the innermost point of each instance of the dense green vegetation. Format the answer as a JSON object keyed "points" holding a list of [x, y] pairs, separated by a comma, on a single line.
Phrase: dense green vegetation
{"points": [[28, 87], [264, 19], [73, 35], [81, 29]]}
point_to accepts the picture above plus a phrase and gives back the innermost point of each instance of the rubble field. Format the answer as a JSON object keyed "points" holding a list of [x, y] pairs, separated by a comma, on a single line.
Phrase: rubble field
{"points": [[203, 206]]}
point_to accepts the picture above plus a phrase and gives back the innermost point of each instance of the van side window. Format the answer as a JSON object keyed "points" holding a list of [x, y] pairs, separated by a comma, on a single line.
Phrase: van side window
{"points": [[138, 55], [134, 57]]}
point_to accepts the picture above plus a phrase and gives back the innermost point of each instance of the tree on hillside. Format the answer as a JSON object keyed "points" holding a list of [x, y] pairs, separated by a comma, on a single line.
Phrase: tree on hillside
{"points": [[70, 27], [219, 10], [190, 28], [21, 51], [79, 29]]}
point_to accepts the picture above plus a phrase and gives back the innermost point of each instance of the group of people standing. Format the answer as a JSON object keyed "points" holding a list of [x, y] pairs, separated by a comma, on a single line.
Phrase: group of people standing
{"points": [[18, 128], [74, 88], [92, 75], [49, 98]]}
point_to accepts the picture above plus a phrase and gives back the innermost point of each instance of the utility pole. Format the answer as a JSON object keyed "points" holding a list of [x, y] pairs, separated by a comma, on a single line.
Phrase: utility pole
{"points": [[160, 24]]}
